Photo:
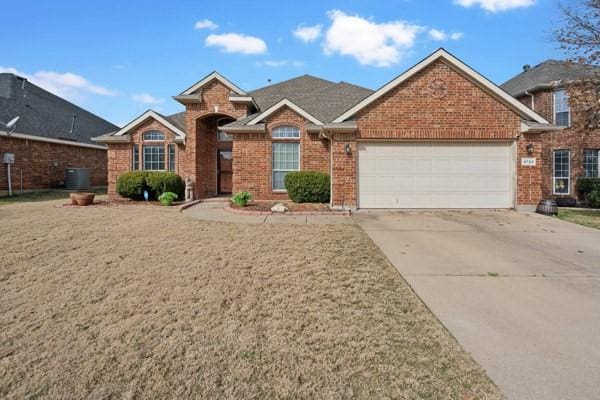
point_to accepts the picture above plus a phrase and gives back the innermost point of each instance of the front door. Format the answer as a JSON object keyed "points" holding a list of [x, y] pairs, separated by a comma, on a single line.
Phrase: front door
{"points": [[224, 171]]}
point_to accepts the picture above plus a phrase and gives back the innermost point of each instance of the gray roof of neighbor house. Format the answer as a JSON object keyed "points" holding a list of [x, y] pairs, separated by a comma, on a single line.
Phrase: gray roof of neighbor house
{"points": [[549, 74], [45, 114], [321, 98]]}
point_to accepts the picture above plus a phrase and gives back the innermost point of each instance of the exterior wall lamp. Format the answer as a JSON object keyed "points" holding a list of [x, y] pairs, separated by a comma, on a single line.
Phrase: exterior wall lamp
{"points": [[530, 148], [347, 149]]}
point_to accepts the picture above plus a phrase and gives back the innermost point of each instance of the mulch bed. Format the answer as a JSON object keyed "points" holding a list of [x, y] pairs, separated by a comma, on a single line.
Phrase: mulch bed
{"points": [[120, 202], [264, 208]]}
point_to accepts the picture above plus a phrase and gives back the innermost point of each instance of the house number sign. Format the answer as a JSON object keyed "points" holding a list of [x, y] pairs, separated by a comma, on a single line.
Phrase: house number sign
{"points": [[528, 161]]}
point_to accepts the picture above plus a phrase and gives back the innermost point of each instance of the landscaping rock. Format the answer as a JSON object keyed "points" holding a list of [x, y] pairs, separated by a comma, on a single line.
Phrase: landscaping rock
{"points": [[279, 208]]}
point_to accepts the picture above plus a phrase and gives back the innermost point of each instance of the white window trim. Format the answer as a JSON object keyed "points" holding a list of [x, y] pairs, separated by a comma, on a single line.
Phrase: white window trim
{"points": [[174, 158], [554, 107], [284, 140], [568, 192], [133, 154], [597, 163]]}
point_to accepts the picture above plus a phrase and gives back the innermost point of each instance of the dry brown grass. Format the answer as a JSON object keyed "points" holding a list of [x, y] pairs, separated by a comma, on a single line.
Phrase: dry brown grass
{"points": [[134, 302]]}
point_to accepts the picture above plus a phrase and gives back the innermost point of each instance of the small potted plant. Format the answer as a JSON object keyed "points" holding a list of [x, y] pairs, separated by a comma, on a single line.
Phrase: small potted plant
{"points": [[241, 199], [82, 199], [167, 198]]}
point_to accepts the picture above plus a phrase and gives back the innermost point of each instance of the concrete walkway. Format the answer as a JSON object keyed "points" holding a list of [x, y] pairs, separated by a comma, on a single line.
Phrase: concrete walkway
{"points": [[519, 291], [213, 211]]}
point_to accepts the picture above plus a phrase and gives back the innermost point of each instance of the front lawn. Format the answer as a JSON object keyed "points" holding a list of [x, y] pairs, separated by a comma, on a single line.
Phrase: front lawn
{"points": [[584, 217], [134, 302]]}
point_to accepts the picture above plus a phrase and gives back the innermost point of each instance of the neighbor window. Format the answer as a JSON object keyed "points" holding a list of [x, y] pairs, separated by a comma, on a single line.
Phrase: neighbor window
{"points": [[286, 132], [590, 163], [562, 168], [172, 150], [154, 135], [135, 159], [154, 157], [561, 108], [286, 158]]}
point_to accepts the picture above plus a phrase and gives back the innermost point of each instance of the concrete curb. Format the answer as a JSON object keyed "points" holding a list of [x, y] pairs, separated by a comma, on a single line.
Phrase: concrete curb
{"points": [[188, 205], [232, 210]]}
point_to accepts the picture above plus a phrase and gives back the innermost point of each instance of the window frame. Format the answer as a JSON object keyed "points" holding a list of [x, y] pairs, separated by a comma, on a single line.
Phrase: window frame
{"points": [[135, 157], [585, 163], [153, 146], [153, 132], [227, 136], [172, 152], [278, 140], [555, 178], [568, 108]]}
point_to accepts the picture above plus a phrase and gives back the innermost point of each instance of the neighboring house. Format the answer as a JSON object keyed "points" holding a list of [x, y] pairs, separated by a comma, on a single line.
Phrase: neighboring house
{"points": [[569, 153], [440, 135], [51, 135]]}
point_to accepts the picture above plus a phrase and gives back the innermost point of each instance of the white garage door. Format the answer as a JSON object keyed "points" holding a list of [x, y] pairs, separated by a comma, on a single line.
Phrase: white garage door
{"points": [[435, 175]]}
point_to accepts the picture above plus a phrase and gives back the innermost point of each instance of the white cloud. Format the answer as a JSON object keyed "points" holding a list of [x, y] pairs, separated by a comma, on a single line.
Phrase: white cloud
{"points": [[307, 33], [237, 43], [68, 85], [368, 42], [442, 36], [146, 98], [280, 63], [496, 5], [205, 24]]}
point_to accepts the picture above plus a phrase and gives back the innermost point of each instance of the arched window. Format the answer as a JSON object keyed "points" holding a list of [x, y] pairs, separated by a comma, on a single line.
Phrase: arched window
{"points": [[285, 154], [286, 132], [153, 136]]}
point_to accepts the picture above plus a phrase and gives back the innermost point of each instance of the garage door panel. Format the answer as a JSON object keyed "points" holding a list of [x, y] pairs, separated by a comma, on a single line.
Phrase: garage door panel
{"points": [[435, 175]]}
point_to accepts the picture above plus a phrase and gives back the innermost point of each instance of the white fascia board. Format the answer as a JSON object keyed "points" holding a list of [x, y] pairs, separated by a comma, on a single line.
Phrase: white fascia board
{"points": [[144, 117], [25, 136], [277, 106], [210, 77], [462, 67]]}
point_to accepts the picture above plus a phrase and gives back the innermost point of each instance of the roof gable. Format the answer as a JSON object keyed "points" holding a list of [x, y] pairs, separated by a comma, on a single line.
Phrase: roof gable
{"points": [[462, 68], [150, 115], [210, 77], [284, 103]]}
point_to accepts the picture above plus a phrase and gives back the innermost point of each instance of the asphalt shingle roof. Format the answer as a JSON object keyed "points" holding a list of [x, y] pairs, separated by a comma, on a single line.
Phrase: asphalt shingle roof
{"points": [[547, 74], [323, 99], [45, 114]]}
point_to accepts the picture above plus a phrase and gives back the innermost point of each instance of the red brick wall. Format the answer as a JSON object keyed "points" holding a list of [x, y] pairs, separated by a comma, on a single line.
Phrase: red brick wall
{"points": [[529, 178], [120, 154], [437, 103], [43, 164], [575, 140], [344, 171], [252, 158]]}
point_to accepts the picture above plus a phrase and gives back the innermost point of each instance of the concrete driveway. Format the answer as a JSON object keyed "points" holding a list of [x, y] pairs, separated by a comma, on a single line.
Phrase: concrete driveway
{"points": [[535, 328]]}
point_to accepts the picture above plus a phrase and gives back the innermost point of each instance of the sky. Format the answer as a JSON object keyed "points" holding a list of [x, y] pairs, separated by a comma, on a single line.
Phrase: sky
{"points": [[120, 58]]}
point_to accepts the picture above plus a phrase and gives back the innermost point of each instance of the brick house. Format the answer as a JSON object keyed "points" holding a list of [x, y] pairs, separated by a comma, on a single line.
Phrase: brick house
{"points": [[51, 135], [439, 135], [571, 152]]}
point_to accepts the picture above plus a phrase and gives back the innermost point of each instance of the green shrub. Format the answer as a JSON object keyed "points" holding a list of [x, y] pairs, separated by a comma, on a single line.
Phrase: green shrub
{"points": [[308, 186], [593, 198], [160, 182], [167, 198], [586, 186], [241, 198], [132, 184]]}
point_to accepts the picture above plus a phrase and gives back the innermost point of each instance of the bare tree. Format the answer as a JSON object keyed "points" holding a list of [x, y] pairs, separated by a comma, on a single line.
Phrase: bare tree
{"points": [[579, 37]]}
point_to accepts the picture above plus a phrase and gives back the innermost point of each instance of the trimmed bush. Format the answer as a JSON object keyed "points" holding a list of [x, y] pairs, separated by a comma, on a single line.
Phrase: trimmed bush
{"points": [[585, 186], [161, 182], [593, 198], [167, 198], [132, 184], [308, 186]]}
